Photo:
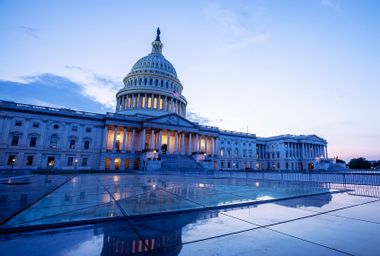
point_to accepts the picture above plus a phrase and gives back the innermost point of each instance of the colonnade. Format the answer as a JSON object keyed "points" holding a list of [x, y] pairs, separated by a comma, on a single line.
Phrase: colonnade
{"points": [[122, 139], [306, 150], [151, 101]]}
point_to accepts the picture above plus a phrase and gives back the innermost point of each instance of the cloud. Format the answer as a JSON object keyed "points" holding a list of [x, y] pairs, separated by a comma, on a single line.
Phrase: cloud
{"points": [[32, 32], [237, 24], [333, 4], [197, 118], [54, 91], [100, 88]]}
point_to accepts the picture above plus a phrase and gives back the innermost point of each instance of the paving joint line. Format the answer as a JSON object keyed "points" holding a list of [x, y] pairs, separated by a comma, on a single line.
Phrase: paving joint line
{"points": [[34, 202], [126, 216]]}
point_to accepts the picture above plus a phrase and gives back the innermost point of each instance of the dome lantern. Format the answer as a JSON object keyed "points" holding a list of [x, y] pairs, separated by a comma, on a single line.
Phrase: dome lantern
{"points": [[157, 45]]}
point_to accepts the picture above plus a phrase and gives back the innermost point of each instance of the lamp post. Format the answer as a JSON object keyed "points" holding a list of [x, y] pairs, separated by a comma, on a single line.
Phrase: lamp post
{"points": [[155, 154], [13, 162], [76, 165]]}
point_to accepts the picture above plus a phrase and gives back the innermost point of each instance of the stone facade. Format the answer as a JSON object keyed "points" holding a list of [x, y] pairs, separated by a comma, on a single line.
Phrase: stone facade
{"points": [[149, 124]]}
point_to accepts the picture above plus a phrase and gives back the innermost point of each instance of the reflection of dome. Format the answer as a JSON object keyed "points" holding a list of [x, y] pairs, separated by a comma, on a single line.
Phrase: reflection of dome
{"points": [[152, 86]]}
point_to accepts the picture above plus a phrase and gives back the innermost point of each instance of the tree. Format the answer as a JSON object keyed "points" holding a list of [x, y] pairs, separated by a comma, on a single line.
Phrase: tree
{"points": [[359, 163], [376, 164], [340, 161]]}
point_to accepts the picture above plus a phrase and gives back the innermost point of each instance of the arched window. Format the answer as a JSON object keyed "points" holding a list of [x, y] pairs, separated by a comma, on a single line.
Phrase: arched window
{"points": [[151, 81], [136, 81], [54, 141], [140, 81], [167, 84], [156, 82], [162, 83], [145, 81]]}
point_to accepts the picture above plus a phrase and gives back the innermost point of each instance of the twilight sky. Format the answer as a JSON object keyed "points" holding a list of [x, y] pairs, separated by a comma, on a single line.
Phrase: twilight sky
{"points": [[276, 67]]}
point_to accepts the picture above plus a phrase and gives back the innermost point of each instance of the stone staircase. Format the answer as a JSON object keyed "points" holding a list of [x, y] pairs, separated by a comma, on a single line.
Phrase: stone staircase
{"points": [[180, 163]]}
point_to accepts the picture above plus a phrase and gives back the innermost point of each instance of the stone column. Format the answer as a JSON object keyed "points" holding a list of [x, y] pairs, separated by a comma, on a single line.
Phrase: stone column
{"points": [[146, 101], [196, 143], [182, 143], [303, 151], [175, 142], [143, 134], [152, 139], [168, 143], [122, 102], [216, 148], [105, 135], [133, 141], [190, 148], [124, 139], [212, 146], [159, 141], [114, 139], [206, 142]]}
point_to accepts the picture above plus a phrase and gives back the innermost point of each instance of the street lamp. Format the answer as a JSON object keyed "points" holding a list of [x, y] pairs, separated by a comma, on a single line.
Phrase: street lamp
{"points": [[76, 165], [13, 162], [154, 154]]}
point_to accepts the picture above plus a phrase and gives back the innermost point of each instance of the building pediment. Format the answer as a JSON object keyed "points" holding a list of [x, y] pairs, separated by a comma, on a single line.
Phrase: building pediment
{"points": [[173, 120]]}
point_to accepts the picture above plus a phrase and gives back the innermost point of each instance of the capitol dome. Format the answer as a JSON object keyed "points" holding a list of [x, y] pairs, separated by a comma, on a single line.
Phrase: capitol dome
{"points": [[152, 87]]}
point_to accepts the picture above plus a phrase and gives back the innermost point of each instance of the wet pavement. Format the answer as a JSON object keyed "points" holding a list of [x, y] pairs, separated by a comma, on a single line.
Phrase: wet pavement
{"points": [[194, 215]]}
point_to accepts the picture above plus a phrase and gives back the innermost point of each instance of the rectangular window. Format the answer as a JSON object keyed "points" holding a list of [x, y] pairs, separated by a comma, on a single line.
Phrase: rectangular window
{"points": [[72, 144], [84, 161], [155, 102], [51, 161], [36, 125], [29, 160], [74, 128], [11, 159], [70, 161], [33, 142], [87, 144], [18, 123], [88, 129], [149, 102], [161, 103], [15, 139]]}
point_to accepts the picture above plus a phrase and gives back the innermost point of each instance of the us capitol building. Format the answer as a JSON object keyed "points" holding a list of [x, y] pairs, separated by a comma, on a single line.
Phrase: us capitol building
{"points": [[148, 131]]}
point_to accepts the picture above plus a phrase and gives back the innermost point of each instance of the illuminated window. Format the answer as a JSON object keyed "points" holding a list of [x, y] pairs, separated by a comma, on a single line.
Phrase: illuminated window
{"points": [[161, 103], [11, 159], [155, 102], [149, 102]]}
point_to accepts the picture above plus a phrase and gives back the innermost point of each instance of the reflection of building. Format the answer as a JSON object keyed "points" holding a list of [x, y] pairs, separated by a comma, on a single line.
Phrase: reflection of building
{"points": [[149, 123], [157, 233]]}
